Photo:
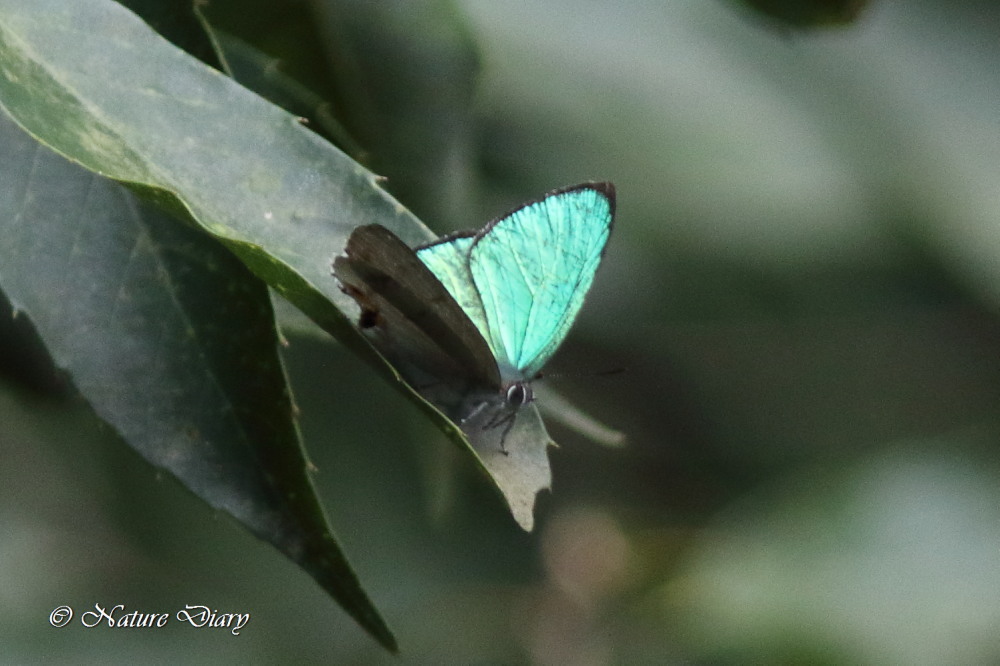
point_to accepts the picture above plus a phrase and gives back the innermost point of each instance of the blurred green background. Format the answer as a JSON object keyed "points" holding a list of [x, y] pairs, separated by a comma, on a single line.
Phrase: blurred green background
{"points": [[803, 286]]}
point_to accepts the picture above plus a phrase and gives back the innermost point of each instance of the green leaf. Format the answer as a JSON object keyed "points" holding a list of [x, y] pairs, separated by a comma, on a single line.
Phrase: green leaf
{"points": [[172, 341], [518, 464]]}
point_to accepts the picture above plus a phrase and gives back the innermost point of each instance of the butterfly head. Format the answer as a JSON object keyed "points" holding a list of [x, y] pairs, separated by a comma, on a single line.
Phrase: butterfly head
{"points": [[517, 394]]}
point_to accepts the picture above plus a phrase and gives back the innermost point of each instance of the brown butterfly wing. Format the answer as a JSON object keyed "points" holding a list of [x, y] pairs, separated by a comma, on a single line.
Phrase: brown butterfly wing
{"points": [[410, 317]]}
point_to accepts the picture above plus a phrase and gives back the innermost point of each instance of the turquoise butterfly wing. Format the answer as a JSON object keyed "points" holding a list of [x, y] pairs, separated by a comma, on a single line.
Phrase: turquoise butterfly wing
{"points": [[523, 278]]}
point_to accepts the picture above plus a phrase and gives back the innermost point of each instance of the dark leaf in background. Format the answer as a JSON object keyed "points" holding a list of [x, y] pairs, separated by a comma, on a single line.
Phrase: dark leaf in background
{"points": [[23, 356], [405, 75], [262, 74], [178, 21], [400, 78], [810, 13]]}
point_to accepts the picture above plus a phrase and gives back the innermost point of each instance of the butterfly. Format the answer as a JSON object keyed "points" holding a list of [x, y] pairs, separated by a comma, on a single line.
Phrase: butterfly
{"points": [[471, 319]]}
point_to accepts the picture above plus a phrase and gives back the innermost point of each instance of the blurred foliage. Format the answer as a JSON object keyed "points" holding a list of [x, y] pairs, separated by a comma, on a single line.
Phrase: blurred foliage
{"points": [[803, 285]]}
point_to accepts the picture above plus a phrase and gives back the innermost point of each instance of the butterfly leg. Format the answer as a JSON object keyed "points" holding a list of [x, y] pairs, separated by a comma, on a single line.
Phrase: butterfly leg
{"points": [[475, 412], [503, 435], [502, 418], [506, 419]]}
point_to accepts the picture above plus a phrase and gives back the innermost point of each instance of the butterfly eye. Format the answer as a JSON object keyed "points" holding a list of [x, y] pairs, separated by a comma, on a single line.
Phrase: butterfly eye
{"points": [[519, 393]]}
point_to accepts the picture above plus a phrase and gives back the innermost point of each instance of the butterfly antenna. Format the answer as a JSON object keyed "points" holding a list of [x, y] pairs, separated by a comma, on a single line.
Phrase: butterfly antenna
{"points": [[599, 373]]}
